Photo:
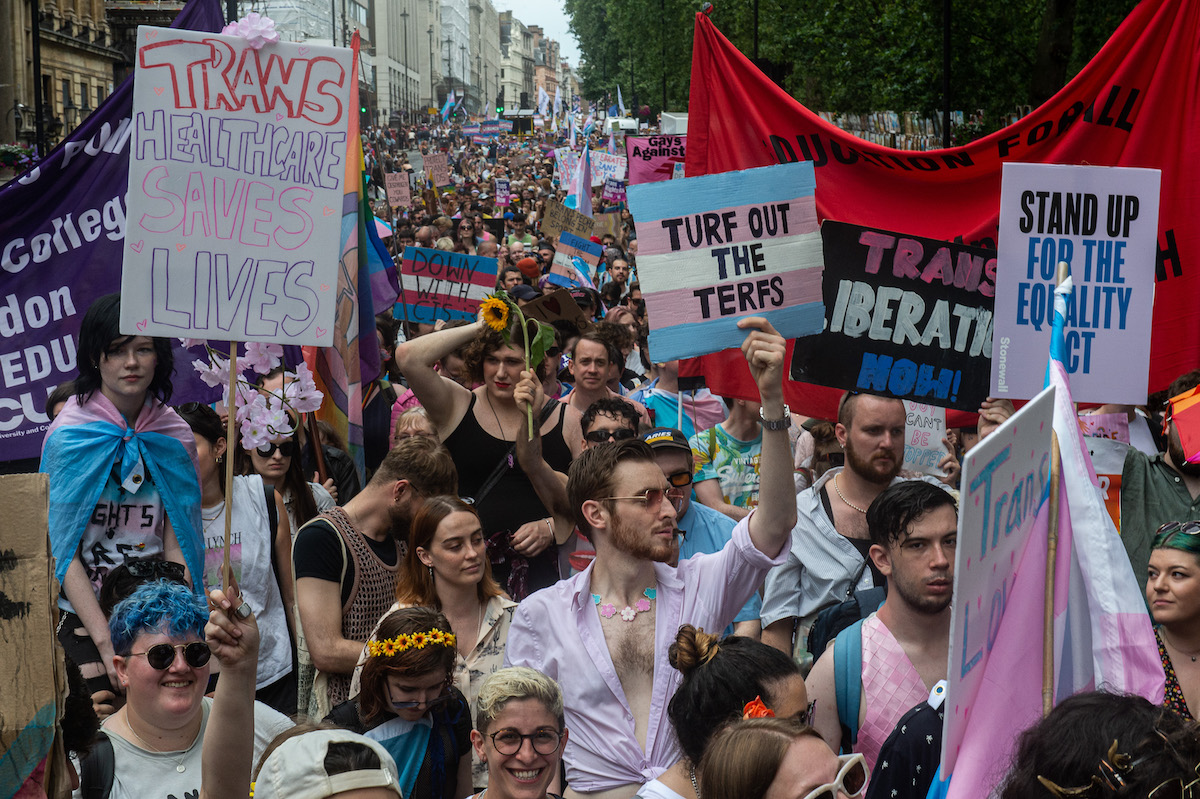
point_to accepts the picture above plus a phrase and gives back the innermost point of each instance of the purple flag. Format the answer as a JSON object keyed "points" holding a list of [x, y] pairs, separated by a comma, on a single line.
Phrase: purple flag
{"points": [[62, 231]]}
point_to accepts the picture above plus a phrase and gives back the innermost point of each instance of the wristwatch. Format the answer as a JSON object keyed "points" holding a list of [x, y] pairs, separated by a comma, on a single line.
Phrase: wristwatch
{"points": [[776, 424]]}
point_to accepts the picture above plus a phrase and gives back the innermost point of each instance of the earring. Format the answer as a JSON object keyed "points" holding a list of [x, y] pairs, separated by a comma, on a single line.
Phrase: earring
{"points": [[430, 573]]}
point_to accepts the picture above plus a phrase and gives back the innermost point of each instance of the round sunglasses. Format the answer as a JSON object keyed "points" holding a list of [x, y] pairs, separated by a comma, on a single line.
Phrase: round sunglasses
{"points": [[286, 448], [161, 656]]}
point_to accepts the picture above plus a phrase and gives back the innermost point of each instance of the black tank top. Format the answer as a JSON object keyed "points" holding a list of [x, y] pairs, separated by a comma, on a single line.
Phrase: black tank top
{"points": [[512, 501]]}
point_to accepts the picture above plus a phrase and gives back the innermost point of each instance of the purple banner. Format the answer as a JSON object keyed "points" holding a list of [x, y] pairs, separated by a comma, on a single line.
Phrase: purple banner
{"points": [[62, 232]]}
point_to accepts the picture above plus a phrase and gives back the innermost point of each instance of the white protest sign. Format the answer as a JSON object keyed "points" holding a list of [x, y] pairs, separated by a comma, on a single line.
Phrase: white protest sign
{"points": [[1004, 478], [1103, 221], [604, 165], [924, 429], [236, 176]]}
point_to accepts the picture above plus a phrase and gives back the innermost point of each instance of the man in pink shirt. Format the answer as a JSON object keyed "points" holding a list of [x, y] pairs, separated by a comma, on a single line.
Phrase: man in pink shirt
{"points": [[604, 633]]}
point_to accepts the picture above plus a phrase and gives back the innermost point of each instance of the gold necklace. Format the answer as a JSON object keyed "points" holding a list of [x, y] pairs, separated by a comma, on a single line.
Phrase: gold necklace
{"points": [[178, 766], [842, 497]]}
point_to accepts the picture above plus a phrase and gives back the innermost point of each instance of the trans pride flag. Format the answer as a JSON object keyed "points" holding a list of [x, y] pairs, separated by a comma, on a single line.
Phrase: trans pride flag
{"points": [[575, 259]]}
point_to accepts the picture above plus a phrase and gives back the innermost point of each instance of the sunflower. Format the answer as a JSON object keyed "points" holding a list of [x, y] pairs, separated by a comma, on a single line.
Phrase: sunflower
{"points": [[402, 642], [449, 639], [495, 313], [389, 648], [419, 640], [437, 636], [374, 648]]}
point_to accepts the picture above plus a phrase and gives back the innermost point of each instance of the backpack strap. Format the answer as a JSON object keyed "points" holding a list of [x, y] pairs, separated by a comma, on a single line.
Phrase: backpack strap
{"points": [[97, 769], [847, 677]]}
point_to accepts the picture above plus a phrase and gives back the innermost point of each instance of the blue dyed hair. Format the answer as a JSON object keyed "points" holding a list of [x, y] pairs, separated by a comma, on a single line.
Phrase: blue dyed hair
{"points": [[158, 606]]}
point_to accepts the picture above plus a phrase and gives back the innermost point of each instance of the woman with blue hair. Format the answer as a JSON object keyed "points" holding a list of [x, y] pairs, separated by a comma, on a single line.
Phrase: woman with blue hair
{"points": [[123, 484], [162, 662]]}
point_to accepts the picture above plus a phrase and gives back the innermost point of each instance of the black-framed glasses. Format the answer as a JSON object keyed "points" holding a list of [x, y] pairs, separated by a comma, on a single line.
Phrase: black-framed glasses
{"points": [[286, 448], [161, 656], [1184, 528], [545, 741], [150, 569], [680, 479], [652, 498], [600, 436], [190, 407]]}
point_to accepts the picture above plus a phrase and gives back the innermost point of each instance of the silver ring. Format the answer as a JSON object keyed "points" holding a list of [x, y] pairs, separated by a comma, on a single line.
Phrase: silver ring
{"points": [[243, 610]]}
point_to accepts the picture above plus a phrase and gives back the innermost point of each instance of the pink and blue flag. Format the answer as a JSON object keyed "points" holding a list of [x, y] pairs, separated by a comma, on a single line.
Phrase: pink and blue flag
{"points": [[575, 260]]}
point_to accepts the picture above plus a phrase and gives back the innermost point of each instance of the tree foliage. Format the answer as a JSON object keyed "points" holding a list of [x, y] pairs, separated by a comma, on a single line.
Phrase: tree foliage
{"points": [[851, 56]]}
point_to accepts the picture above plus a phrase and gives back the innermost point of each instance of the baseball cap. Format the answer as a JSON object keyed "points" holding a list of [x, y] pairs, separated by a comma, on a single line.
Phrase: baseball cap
{"points": [[529, 267], [523, 292], [296, 768], [666, 438]]}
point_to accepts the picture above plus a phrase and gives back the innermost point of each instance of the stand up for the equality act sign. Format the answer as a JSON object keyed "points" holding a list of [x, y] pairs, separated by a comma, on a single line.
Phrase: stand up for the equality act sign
{"points": [[1102, 221], [717, 248], [235, 188]]}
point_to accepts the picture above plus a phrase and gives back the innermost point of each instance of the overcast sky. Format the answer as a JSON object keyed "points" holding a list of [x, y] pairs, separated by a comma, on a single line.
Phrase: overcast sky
{"points": [[553, 19]]}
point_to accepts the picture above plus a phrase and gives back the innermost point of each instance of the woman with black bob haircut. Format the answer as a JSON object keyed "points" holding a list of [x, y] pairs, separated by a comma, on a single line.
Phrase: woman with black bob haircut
{"points": [[1098, 745], [122, 468], [721, 678]]}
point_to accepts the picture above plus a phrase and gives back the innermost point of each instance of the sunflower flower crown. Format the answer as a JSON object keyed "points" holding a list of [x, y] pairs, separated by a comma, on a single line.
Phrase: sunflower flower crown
{"points": [[403, 641]]}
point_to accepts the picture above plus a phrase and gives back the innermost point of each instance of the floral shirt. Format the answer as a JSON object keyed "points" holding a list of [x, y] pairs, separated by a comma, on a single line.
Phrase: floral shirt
{"points": [[1173, 698]]}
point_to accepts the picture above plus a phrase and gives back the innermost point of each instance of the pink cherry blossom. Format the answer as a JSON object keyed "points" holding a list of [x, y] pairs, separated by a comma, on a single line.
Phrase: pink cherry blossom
{"points": [[256, 29], [262, 358]]}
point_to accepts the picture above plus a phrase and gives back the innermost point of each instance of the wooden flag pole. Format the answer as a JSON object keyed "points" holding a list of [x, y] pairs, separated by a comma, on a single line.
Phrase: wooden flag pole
{"points": [[231, 417], [1051, 553]]}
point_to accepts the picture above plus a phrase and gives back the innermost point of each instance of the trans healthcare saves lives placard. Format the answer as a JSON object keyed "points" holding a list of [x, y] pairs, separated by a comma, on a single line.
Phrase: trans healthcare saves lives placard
{"points": [[235, 188], [1103, 221]]}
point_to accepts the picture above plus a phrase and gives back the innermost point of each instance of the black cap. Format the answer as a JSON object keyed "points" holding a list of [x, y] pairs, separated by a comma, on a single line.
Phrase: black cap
{"points": [[666, 438]]}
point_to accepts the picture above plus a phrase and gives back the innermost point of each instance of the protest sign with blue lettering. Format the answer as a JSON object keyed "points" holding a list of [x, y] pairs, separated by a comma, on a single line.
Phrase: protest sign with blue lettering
{"points": [[717, 248], [235, 188], [1103, 221], [905, 317]]}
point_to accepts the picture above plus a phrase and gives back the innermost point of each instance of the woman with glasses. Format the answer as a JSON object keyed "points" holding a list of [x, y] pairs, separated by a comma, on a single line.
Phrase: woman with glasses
{"points": [[1173, 594], [408, 703], [162, 661], [773, 758], [446, 568], [520, 733], [280, 466], [466, 235], [260, 553], [122, 479], [721, 679]]}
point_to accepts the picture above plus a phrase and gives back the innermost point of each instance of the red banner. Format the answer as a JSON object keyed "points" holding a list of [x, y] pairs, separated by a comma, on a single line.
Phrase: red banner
{"points": [[1137, 103]]}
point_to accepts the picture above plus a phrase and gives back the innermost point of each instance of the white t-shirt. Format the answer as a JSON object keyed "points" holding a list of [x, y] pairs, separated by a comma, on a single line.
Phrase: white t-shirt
{"points": [[140, 774], [656, 790]]}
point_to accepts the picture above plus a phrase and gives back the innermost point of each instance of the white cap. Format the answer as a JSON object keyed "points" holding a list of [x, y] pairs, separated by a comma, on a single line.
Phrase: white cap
{"points": [[296, 768]]}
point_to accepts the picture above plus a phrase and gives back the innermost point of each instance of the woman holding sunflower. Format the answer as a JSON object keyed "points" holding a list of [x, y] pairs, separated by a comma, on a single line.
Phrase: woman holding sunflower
{"points": [[408, 703], [486, 430]]}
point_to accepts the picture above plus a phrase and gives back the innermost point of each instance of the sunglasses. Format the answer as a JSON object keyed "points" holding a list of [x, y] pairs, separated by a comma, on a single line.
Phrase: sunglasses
{"points": [[286, 448], [161, 656], [600, 436], [155, 569], [652, 498], [1185, 528], [680, 479], [851, 779]]}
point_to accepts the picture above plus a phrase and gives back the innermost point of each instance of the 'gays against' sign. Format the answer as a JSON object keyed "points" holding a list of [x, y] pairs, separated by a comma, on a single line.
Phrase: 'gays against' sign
{"points": [[905, 317], [439, 284], [717, 248], [235, 188]]}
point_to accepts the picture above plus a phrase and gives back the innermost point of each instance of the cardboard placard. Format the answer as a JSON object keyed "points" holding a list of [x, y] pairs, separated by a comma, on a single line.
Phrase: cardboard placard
{"points": [[1004, 478], [653, 158], [398, 191], [228, 237], [718, 248], [31, 700], [558, 218], [607, 223], [439, 284], [436, 163], [906, 317], [924, 429], [559, 306], [1103, 221]]}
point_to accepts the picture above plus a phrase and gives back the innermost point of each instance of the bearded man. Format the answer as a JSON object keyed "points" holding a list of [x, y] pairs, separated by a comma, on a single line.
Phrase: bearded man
{"points": [[604, 633], [830, 542]]}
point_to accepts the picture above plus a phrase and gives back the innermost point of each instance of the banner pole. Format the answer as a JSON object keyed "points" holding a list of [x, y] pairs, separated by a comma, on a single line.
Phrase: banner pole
{"points": [[1051, 553], [231, 421]]}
